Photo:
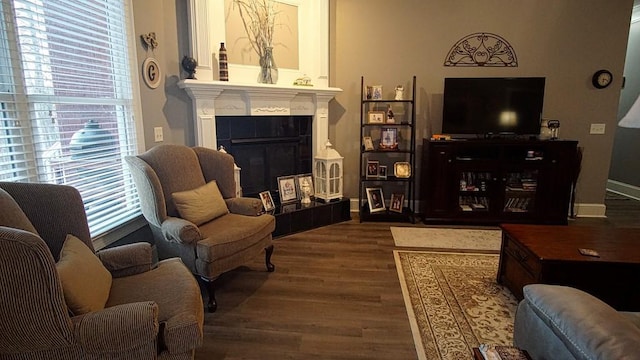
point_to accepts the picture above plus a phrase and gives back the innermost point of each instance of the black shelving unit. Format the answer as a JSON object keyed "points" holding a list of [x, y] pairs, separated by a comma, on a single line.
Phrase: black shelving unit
{"points": [[398, 190]]}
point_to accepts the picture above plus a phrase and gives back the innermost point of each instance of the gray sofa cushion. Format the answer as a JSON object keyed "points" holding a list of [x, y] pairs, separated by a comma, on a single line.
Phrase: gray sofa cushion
{"points": [[586, 326]]}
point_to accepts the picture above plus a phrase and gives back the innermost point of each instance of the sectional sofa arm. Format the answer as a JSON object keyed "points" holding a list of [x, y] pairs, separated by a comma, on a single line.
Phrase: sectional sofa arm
{"points": [[118, 329], [552, 319], [127, 259], [244, 206], [180, 230]]}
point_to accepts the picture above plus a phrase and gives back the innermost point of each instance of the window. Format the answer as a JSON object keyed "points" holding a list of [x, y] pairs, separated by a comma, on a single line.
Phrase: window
{"points": [[68, 101]]}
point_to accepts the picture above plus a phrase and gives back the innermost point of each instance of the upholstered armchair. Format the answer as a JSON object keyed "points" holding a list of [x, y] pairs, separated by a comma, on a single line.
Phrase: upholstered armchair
{"points": [[61, 300], [189, 198]]}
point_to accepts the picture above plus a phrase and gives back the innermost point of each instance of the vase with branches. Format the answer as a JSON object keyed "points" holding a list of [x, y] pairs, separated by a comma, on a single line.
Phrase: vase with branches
{"points": [[259, 18]]}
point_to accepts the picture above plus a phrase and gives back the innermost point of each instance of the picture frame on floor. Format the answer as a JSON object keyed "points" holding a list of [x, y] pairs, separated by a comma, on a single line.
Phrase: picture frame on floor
{"points": [[287, 189], [375, 198], [267, 201]]}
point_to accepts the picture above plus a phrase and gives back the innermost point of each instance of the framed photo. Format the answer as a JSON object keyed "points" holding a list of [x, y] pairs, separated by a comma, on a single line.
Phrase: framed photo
{"points": [[382, 171], [372, 169], [303, 179], [376, 200], [267, 201], [397, 201], [375, 117], [402, 169], [376, 92], [287, 187], [389, 138], [368, 143]]}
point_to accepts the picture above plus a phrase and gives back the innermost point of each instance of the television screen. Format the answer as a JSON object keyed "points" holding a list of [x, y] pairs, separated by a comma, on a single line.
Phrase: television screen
{"points": [[484, 106]]}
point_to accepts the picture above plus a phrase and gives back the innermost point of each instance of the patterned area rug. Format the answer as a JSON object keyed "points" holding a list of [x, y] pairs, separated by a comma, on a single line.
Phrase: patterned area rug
{"points": [[447, 238], [454, 303]]}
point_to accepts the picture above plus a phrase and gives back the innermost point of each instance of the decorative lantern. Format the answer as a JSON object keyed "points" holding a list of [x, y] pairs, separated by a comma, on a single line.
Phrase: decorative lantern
{"points": [[328, 174]]}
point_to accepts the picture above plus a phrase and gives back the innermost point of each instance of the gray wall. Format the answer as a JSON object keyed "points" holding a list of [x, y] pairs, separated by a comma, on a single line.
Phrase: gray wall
{"points": [[390, 41], [625, 166]]}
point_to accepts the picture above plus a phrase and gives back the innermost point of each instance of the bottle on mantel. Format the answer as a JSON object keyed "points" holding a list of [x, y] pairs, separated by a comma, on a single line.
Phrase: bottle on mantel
{"points": [[224, 70]]}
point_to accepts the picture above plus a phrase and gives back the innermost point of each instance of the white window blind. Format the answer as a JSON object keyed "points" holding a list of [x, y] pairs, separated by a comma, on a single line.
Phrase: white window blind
{"points": [[67, 104]]}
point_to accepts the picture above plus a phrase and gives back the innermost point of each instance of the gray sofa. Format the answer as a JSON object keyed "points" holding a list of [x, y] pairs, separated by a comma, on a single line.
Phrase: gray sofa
{"points": [[559, 322]]}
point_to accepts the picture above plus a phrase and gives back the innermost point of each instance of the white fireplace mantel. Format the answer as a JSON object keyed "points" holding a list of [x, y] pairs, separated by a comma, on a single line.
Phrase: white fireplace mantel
{"points": [[221, 98]]}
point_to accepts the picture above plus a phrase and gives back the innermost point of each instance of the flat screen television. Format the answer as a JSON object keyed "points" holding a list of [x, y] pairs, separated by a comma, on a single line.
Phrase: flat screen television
{"points": [[492, 106]]}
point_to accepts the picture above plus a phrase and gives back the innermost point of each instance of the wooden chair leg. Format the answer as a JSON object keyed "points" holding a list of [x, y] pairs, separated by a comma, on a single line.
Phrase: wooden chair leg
{"points": [[212, 305], [267, 255]]}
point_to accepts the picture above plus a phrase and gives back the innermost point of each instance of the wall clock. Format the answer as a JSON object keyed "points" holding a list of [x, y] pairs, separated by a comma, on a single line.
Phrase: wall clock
{"points": [[601, 79]]}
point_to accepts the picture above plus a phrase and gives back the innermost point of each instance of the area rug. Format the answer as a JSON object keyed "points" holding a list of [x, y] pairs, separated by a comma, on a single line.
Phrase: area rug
{"points": [[447, 238], [454, 303]]}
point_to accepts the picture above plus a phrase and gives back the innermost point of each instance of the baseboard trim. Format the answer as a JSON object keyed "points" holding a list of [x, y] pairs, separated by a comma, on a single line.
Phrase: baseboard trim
{"points": [[591, 210], [621, 188]]}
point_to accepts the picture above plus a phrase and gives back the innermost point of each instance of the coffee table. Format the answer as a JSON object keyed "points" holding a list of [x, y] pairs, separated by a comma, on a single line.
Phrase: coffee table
{"points": [[549, 254]]}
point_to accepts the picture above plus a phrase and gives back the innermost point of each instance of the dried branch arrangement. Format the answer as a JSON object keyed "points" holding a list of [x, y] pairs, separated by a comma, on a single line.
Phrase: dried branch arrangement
{"points": [[258, 18]]}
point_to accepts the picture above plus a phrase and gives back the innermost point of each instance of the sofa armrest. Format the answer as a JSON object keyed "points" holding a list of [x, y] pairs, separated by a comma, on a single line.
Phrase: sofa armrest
{"points": [[244, 206], [127, 259], [558, 321], [118, 329], [180, 230]]}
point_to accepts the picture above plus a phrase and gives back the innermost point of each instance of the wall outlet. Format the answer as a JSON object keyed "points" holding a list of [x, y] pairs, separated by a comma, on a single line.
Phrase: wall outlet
{"points": [[597, 129], [157, 134]]}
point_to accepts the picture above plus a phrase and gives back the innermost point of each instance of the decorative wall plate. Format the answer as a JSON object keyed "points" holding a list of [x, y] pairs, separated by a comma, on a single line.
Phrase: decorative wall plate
{"points": [[151, 72], [402, 169]]}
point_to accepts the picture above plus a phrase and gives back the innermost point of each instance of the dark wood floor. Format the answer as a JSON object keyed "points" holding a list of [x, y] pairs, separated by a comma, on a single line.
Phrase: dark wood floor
{"points": [[335, 294]]}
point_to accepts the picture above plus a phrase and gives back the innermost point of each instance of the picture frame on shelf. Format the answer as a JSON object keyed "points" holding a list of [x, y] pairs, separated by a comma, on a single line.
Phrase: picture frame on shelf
{"points": [[376, 117], [267, 201], [287, 189], [402, 169], [389, 138], [396, 203], [375, 198], [382, 172], [372, 169], [376, 92], [368, 143], [300, 181]]}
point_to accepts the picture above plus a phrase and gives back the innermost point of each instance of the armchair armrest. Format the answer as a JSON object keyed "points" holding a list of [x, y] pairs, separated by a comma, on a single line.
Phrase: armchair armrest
{"points": [[118, 329], [244, 206], [180, 230], [553, 320], [128, 259]]}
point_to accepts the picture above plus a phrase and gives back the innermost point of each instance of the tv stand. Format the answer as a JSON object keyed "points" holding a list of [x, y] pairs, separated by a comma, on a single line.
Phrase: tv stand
{"points": [[497, 180]]}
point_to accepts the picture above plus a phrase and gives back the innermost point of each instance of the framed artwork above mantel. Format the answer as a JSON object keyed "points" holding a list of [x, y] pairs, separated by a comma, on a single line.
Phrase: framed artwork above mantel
{"points": [[309, 25]]}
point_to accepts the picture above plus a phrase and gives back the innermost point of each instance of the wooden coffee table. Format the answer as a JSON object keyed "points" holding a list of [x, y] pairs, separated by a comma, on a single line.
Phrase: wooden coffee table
{"points": [[549, 254]]}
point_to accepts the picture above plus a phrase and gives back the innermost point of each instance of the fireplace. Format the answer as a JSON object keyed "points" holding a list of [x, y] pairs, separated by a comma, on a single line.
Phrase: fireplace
{"points": [[261, 125], [266, 147]]}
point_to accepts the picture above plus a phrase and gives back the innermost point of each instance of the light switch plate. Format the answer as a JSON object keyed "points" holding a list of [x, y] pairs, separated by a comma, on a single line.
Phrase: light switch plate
{"points": [[157, 134], [597, 129]]}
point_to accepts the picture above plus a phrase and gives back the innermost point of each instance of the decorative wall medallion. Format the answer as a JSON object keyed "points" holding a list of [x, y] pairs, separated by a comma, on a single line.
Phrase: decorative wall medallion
{"points": [[482, 49], [151, 72]]}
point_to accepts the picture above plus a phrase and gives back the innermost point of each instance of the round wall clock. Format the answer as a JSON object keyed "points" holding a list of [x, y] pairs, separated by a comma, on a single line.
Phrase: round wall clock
{"points": [[602, 78], [151, 72]]}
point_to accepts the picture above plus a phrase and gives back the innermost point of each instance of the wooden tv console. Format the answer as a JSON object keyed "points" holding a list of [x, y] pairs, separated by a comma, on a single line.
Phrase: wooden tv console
{"points": [[492, 181], [550, 255]]}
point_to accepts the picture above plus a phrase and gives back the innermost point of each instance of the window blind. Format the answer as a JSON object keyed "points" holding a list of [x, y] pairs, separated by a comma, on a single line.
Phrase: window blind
{"points": [[67, 102]]}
